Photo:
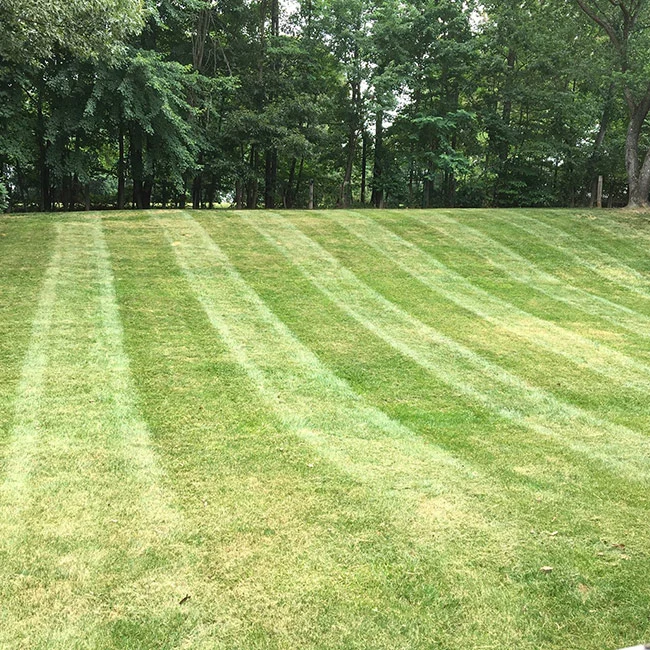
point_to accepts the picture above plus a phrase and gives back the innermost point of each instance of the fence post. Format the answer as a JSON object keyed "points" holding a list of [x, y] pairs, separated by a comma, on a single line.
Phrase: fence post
{"points": [[599, 193]]}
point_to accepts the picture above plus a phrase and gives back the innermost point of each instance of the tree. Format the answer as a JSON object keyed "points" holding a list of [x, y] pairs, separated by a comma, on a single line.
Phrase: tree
{"points": [[389, 102], [625, 24], [349, 27], [33, 30]]}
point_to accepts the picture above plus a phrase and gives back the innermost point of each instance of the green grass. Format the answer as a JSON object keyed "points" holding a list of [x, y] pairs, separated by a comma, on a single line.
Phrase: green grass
{"points": [[325, 430]]}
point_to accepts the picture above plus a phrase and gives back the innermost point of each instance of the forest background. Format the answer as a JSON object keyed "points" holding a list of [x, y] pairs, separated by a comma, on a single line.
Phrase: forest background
{"points": [[391, 103]]}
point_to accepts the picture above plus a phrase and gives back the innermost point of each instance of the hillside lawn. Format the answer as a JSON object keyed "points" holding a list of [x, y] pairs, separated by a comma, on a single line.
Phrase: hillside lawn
{"points": [[328, 429]]}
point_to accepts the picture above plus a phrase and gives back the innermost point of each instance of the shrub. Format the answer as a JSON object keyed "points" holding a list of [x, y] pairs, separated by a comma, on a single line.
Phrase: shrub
{"points": [[4, 198]]}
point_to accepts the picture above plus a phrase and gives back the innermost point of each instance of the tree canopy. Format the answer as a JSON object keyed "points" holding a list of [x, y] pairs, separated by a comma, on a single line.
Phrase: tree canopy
{"points": [[117, 103], [35, 29]]}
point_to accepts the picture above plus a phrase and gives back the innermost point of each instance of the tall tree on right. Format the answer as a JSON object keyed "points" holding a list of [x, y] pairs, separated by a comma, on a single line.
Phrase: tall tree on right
{"points": [[625, 24]]}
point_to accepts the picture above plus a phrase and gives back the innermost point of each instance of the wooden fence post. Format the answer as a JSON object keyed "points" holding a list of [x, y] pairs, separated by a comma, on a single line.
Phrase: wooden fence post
{"points": [[599, 193]]}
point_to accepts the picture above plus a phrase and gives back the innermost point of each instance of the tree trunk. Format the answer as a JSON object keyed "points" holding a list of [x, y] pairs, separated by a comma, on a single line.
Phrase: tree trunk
{"points": [[377, 190], [511, 59], [345, 192], [345, 195], [45, 198], [45, 203], [147, 189], [638, 176], [296, 192], [183, 196], [251, 195], [212, 189], [137, 168], [594, 158], [288, 192], [252, 185], [411, 177], [364, 162], [197, 190], [427, 190], [639, 197], [270, 178], [121, 166], [502, 140], [66, 192], [275, 18], [239, 194]]}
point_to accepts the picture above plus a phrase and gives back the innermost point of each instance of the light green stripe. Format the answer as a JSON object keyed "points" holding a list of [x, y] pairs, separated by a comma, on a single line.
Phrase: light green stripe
{"points": [[589, 257], [311, 400], [453, 286], [455, 364], [25, 431], [522, 270], [133, 431], [82, 505], [622, 228]]}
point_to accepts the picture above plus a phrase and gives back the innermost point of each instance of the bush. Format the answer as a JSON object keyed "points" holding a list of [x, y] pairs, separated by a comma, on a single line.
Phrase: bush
{"points": [[4, 198]]}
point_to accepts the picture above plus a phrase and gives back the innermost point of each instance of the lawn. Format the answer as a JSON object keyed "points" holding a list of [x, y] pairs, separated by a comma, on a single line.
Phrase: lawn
{"points": [[328, 429]]}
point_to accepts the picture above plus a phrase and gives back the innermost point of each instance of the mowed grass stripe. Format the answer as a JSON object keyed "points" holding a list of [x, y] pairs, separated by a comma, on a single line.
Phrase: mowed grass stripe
{"points": [[626, 234], [619, 235], [456, 364], [309, 398], [523, 270], [440, 278], [430, 490], [29, 394], [88, 534], [299, 552], [25, 253], [545, 485], [583, 254]]}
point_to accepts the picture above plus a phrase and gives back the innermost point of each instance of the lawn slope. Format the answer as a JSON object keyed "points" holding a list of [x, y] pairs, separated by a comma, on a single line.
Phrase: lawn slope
{"points": [[345, 429]]}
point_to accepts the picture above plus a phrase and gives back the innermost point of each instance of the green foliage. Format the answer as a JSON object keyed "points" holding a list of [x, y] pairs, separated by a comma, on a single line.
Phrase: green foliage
{"points": [[4, 198], [419, 103], [36, 29]]}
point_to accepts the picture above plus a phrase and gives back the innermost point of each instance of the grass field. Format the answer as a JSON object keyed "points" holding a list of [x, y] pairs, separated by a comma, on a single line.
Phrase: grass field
{"points": [[382, 429]]}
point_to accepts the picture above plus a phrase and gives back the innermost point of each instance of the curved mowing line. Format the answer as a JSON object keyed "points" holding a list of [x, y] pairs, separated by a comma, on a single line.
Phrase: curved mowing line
{"points": [[601, 263], [311, 400], [82, 489], [523, 270], [440, 278], [625, 232], [132, 429], [25, 430], [455, 364], [318, 406]]}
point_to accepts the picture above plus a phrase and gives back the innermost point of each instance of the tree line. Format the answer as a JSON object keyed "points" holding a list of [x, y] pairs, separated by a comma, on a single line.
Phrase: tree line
{"points": [[417, 103]]}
